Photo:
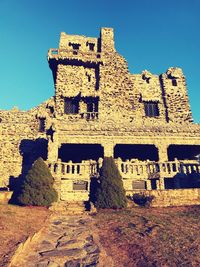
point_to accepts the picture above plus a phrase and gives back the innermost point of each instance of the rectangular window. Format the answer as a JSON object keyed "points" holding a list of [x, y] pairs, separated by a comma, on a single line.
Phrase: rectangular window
{"points": [[71, 106], [41, 125], [174, 82], [91, 46], [92, 105], [151, 109]]}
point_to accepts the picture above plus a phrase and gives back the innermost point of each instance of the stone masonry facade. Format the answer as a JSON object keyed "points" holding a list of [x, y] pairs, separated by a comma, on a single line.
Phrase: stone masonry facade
{"points": [[100, 109]]}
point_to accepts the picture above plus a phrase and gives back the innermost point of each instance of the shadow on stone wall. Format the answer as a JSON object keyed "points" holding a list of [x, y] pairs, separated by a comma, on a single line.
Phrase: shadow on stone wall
{"points": [[30, 150], [183, 181]]}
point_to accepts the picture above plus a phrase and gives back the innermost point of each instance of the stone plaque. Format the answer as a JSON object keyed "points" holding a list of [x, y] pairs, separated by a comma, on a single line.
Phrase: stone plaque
{"points": [[139, 185], [80, 185]]}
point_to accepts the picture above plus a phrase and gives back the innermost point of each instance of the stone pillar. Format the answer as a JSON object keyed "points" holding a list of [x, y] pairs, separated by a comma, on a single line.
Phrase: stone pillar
{"points": [[160, 185], [53, 149], [108, 149], [162, 152], [148, 184]]}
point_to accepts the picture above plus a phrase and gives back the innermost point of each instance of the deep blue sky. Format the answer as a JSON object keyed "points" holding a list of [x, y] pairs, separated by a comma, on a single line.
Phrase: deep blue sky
{"points": [[152, 35]]}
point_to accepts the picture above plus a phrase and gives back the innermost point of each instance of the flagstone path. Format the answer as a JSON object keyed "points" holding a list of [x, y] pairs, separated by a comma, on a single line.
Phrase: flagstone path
{"points": [[67, 241]]}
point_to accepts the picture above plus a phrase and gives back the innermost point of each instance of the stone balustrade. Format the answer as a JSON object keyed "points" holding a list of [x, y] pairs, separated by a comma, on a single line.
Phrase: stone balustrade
{"points": [[151, 170], [90, 115], [73, 54], [70, 170], [128, 169]]}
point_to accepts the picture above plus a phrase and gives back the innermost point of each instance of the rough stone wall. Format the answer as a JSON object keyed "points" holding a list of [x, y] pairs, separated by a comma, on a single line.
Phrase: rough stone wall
{"points": [[166, 198], [15, 127], [85, 67], [67, 41], [20, 139], [121, 95], [176, 97]]}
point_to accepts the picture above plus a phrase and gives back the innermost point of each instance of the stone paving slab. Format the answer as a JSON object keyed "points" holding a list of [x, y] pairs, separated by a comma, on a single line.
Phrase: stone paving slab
{"points": [[67, 241]]}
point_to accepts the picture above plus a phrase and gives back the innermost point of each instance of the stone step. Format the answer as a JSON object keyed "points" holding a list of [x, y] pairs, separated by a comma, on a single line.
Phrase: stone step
{"points": [[69, 207]]}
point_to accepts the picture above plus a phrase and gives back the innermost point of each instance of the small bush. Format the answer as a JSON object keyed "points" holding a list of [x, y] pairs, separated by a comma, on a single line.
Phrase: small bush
{"points": [[110, 192], [37, 187], [142, 200]]}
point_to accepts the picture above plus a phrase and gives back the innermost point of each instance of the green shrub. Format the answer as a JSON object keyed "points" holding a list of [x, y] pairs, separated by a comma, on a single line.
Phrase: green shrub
{"points": [[142, 200], [37, 187], [110, 192]]}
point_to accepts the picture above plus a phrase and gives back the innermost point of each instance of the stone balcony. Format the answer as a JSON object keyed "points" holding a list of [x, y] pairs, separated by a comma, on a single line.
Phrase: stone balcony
{"points": [[152, 170], [133, 170], [72, 180], [73, 54]]}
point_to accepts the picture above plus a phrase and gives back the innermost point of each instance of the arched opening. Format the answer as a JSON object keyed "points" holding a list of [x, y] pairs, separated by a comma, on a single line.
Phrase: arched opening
{"points": [[183, 152], [140, 152], [79, 152]]}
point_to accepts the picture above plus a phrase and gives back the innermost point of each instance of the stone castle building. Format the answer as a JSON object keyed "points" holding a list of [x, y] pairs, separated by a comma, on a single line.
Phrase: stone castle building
{"points": [[100, 109]]}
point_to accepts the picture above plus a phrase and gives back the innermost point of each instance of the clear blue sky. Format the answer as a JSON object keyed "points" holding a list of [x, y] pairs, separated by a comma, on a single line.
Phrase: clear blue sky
{"points": [[152, 35]]}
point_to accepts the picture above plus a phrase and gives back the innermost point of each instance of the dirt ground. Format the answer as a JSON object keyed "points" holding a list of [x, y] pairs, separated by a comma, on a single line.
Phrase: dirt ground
{"points": [[16, 224], [146, 237], [142, 237]]}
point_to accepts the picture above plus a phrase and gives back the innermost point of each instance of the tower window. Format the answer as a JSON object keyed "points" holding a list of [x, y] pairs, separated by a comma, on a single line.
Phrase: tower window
{"points": [[74, 45], [174, 82], [92, 105], [71, 106], [151, 109], [88, 77], [41, 125], [91, 46]]}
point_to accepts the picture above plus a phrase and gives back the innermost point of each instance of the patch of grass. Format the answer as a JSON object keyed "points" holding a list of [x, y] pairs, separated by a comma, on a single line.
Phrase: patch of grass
{"points": [[171, 235], [16, 224]]}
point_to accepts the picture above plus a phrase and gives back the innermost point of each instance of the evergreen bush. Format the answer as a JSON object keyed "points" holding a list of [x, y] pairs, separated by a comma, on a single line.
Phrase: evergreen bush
{"points": [[37, 187], [142, 200], [110, 192]]}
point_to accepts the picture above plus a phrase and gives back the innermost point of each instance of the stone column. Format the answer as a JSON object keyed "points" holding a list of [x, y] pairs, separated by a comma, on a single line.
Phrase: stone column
{"points": [[148, 184], [160, 185], [53, 149], [162, 151], [108, 149]]}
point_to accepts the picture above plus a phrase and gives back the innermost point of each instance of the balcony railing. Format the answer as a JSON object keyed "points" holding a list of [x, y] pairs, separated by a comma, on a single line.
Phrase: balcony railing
{"points": [[90, 115], [152, 170], [69, 170], [128, 169], [73, 53]]}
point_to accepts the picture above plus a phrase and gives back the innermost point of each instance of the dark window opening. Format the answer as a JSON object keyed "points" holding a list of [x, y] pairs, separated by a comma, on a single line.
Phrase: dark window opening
{"points": [[0, 120], [91, 46], [140, 152], [183, 152], [88, 76], [41, 125], [79, 152], [71, 106], [92, 107], [51, 109], [151, 109], [174, 82], [92, 104], [74, 46]]}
